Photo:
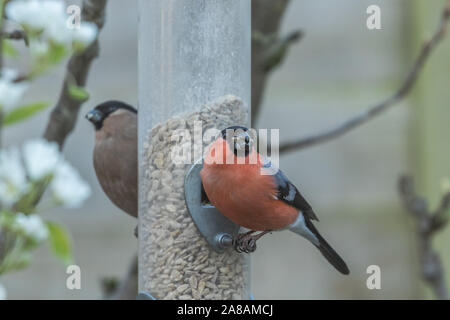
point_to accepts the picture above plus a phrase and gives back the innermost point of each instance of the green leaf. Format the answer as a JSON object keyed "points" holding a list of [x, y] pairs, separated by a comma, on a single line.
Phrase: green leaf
{"points": [[9, 50], [56, 52], [59, 242], [23, 112], [15, 263], [78, 93]]}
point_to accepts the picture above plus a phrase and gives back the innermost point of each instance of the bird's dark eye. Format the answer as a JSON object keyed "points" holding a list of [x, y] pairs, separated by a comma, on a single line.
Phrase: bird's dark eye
{"points": [[247, 139]]}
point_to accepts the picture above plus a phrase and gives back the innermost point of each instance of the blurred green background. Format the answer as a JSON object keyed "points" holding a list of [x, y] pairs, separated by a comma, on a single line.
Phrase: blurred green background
{"points": [[338, 69]]}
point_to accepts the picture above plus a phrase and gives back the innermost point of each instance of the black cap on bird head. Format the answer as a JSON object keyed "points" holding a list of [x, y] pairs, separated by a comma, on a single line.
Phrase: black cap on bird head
{"points": [[103, 110], [239, 139]]}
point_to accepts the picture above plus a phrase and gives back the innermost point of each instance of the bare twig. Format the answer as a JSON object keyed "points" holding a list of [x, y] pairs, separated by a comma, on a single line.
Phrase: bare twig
{"points": [[268, 49], [65, 113], [375, 110], [427, 227], [440, 216], [15, 35], [127, 289], [277, 49]]}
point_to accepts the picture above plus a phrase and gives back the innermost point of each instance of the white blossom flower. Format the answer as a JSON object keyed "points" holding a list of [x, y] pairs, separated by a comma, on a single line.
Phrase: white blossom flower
{"points": [[26, 13], [10, 92], [41, 158], [42, 15], [68, 187], [3, 293], [35, 14], [58, 31], [50, 18], [13, 182], [85, 33], [31, 226], [38, 48]]}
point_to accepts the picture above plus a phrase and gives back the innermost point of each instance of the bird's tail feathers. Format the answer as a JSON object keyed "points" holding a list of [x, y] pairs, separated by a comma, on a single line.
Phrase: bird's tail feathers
{"points": [[305, 228], [332, 257]]}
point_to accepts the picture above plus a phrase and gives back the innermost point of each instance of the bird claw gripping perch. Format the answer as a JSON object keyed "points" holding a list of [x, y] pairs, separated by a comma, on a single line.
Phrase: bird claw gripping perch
{"points": [[246, 242], [218, 230]]}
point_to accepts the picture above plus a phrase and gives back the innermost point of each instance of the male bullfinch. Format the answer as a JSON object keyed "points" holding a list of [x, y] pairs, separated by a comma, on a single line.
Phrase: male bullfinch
{"points": [[252, 194], [115, 153]]}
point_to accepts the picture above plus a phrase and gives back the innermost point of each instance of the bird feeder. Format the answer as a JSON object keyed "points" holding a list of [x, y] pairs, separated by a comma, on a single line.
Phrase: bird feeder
{"points": [[194, 76]]}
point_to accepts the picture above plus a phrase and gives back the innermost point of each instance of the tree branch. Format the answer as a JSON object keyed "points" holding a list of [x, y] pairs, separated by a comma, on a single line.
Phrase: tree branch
{"points": [[15, 35], [375, 110], [268, 49], [127, 289], [432, 269], [64, 115]]}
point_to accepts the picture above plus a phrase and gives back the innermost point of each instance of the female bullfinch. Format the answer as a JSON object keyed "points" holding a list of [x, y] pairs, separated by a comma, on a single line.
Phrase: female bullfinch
{"points": [[115, 153], [252, 194]]}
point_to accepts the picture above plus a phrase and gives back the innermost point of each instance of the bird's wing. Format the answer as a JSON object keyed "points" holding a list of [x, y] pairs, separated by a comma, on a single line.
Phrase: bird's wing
{"points": [[288, 193], [115, 161]]}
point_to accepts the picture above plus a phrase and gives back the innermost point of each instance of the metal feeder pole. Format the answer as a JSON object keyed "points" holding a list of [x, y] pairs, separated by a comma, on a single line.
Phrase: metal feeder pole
{"points": [[194, 74]]}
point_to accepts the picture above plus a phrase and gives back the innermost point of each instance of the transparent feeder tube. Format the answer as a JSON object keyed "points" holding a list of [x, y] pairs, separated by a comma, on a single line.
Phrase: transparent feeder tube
{"points": [[194, 74]]}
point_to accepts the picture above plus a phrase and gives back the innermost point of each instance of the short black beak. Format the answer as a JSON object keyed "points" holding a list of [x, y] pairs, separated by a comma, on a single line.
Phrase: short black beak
{"points": [[94, 116]]}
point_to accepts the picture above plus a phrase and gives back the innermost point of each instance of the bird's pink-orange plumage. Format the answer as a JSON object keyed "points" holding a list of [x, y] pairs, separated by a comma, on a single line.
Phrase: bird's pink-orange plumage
{"points": [[254, 205], [238, 187]]}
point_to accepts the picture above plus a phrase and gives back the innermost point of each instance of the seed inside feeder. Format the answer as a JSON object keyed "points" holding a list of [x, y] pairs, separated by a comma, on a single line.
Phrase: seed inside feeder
{"points": [[178, 262]]}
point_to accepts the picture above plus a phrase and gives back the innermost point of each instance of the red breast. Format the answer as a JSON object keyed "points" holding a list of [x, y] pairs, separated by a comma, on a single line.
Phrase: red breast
{"points": [[240, 192]]}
